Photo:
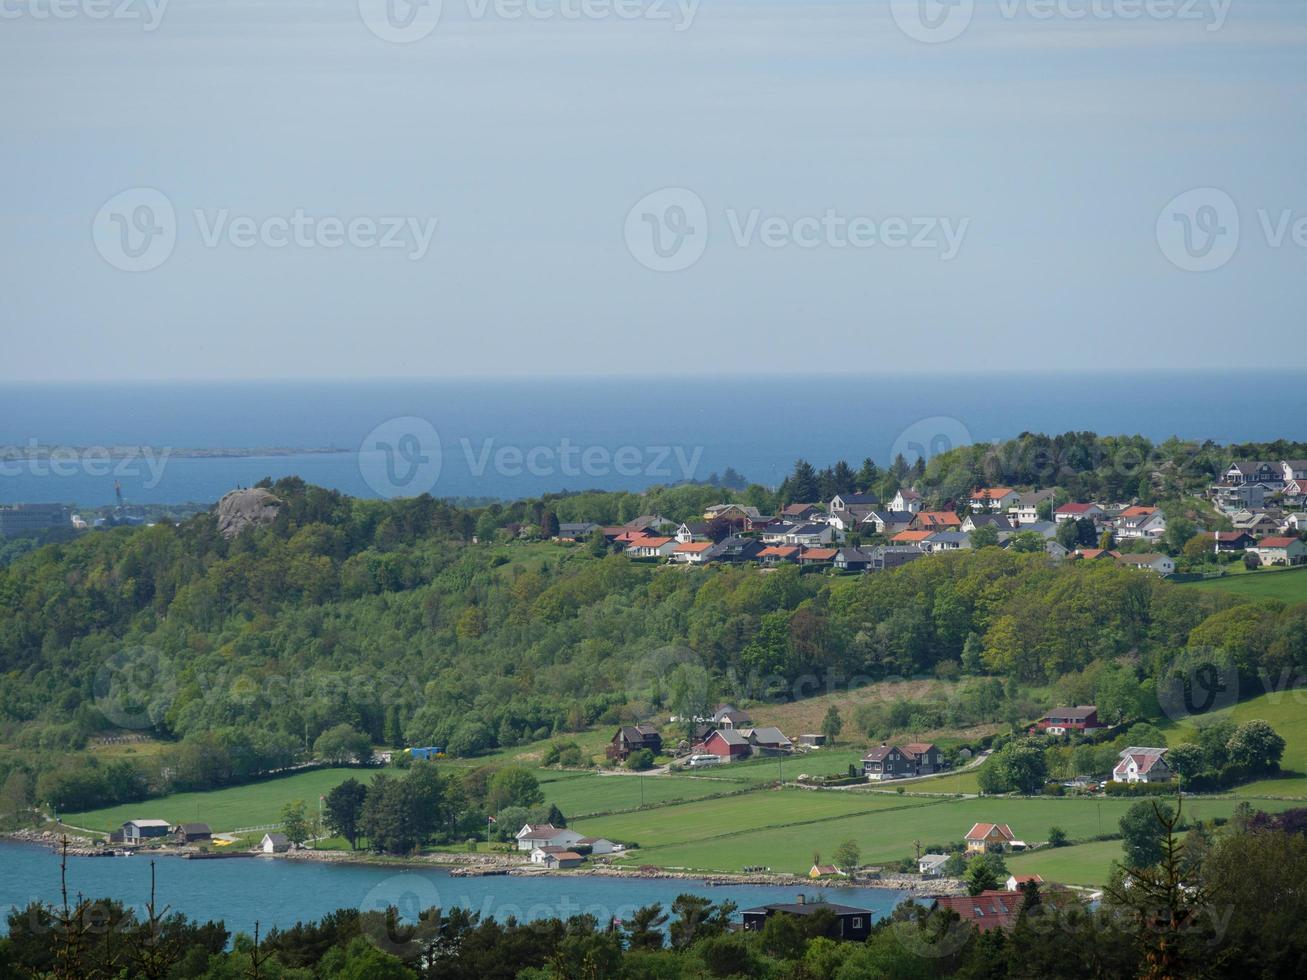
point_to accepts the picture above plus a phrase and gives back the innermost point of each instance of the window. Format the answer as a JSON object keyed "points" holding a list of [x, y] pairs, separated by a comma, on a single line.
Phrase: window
{"points": [[857, 922]]}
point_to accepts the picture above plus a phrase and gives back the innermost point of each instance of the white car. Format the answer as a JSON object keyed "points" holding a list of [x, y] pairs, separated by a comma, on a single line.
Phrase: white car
{"points": [[698, 761]]}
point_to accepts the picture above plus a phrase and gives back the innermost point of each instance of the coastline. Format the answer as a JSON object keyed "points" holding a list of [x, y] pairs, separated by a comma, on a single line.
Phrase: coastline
{"points": [[504, 865]]}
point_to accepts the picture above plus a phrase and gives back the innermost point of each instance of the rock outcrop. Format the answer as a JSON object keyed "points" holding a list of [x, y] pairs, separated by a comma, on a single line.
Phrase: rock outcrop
{"points": [[246, 508]]}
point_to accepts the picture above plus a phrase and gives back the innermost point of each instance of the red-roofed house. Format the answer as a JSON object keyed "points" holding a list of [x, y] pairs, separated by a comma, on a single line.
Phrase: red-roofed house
{"points": [[982, 836], [936, 520], [1280, 551], [1141, 765], [986, 911], [727, 744], [1059, 721], [914, 538], [1074, 512], [818, 556], [779, 553]]}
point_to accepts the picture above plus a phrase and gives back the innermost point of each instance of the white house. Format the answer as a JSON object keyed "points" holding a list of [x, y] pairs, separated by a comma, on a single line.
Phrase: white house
{"points": [[1075, 512], [1014, 882], [693, 553], [931, 865], [274, 844], [1280, 551], [533, 835], [1141, 765], [1026, 508], [1161, 564], [1294, 469], [994, 499], [1140, 522], [598, 845], [652, 547], [908, 500], [811, 535]]}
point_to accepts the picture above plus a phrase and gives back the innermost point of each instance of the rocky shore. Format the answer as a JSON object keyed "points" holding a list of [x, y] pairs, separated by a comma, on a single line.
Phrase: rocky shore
{"points": [[472, 865], [516, 864]]}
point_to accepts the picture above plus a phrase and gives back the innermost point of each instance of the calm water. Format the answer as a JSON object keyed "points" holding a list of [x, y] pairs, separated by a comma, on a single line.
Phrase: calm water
{"points": [[280, 893], [519, 438]]}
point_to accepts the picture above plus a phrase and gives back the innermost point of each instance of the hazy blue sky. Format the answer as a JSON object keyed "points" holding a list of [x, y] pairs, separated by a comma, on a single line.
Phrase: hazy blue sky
{"points": [[1034, 161]]}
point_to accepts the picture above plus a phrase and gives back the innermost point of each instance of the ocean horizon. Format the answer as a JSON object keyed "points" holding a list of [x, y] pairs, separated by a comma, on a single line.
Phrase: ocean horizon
{"points": [[518, 437]]}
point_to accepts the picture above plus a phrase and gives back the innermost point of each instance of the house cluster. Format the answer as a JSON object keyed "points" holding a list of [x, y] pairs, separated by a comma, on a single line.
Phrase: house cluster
{"points": [[1266, 503], [729, 735], [143, 831], [559, 848], [891, 762], [818, 534]]}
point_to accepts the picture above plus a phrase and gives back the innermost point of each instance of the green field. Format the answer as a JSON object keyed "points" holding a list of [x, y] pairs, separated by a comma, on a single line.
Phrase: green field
{"points": [[722, 838], [1287, 584], [223, 809], [1286, 712], [707, 819], [1082, 864], [819, 762], [588, 793]]}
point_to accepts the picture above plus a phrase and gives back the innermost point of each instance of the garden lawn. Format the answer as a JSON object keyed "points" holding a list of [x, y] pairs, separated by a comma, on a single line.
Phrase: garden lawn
{"points": [[1287, 584], [1081, 864], [225, 809]]}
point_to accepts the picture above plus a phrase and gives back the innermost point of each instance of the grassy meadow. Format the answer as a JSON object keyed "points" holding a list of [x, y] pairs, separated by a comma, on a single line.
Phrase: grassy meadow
{"points": [[1289, 584]]}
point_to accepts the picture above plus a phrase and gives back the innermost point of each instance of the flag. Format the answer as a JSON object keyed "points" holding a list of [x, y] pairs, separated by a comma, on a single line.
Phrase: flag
{"points": [[491, 820]]}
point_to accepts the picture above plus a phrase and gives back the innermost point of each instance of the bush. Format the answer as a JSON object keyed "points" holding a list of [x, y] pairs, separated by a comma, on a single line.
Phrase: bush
{"points": [[1057, 837]]}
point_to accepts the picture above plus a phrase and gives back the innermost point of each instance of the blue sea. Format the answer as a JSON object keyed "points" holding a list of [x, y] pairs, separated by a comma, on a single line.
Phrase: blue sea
{"points": [[486, 438], [241, 891]]}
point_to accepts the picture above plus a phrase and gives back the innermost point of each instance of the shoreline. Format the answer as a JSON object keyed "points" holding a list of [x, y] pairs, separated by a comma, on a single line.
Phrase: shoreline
{"points": [[502, 865]]}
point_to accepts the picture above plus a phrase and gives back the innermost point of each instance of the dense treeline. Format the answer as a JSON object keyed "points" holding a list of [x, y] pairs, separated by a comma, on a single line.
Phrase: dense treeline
{"points": [[383, 617], [1088, 466], [1227, 902]]}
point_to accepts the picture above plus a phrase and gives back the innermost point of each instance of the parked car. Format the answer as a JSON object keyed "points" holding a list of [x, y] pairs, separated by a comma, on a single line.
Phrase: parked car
{"points": [[698, 761]]}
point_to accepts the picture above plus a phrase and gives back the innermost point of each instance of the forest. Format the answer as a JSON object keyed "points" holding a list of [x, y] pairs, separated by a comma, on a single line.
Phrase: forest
{"points": [[417, 622]]}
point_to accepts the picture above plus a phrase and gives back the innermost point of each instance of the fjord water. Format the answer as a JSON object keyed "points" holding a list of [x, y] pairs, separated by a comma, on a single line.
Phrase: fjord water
{"points": [[674, 428], [240, 891]]}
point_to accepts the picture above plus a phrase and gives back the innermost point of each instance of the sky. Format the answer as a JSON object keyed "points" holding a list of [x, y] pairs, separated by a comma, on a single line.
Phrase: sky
{"points": [[232, 189]]}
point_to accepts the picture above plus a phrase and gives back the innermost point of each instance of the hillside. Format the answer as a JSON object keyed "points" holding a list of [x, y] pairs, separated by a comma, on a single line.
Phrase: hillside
{"points": [[386, 619]]}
